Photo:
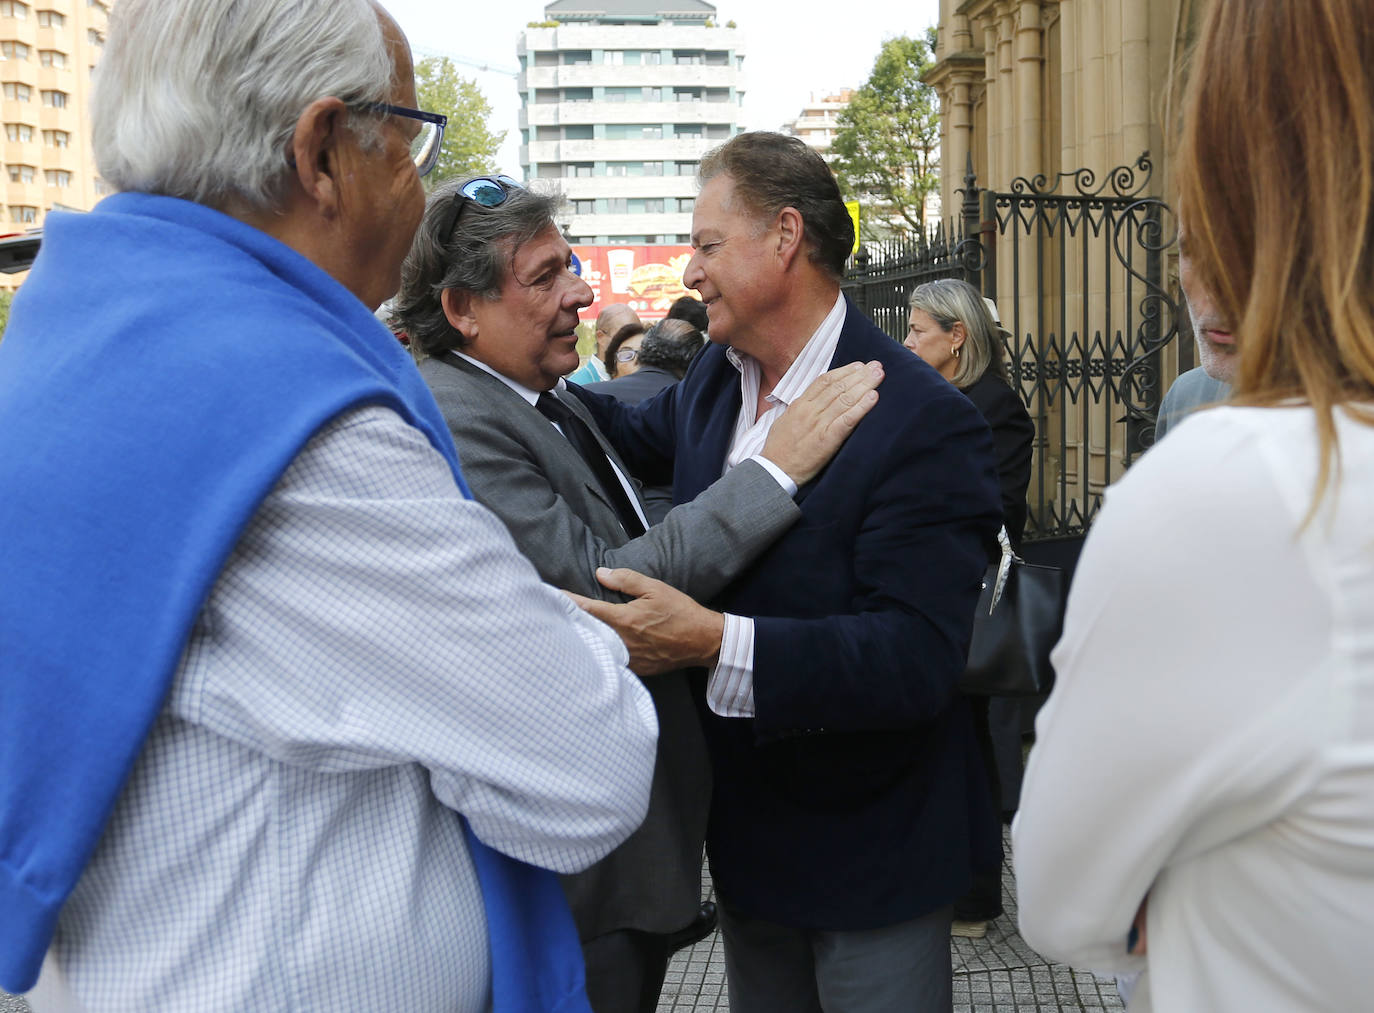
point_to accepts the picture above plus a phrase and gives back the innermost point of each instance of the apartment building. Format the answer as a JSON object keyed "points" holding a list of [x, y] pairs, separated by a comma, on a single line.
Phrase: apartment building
{"points": [[48, 51], [819, 120], [619, 102]]}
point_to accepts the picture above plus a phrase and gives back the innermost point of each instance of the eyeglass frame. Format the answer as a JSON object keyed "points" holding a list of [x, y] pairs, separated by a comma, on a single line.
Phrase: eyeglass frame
{"points": [[623, 354], [439, 120], [461, 200]]}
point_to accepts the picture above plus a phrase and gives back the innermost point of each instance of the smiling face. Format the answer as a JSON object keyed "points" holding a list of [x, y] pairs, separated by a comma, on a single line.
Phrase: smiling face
{"points": [[732, 267], [529, 333]]}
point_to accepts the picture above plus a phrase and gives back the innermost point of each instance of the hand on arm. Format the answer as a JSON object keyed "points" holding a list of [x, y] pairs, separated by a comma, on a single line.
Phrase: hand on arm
{"points": [[662, 628], [814, 426]]}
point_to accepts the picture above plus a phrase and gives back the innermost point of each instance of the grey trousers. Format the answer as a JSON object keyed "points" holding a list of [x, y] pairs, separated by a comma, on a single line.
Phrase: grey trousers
{"points": [[903, 968]]}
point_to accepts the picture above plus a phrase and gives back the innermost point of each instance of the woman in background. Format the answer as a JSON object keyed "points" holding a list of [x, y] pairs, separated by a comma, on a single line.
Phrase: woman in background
{"points": [[1209, 745], [951, 328], [622, 354]]}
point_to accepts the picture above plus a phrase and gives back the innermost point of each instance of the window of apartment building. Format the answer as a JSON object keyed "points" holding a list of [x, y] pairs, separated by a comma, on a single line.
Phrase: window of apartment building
{"points": [[630, 240], [617, 205], [13, 9], [580, 169], [51, 19], [545, 96], [584, 207], [547, 133], [717, 94], [57, 177], [577, 58], [688, 56], [613, 57], [94, 37], [716, 131], [20, 173], [686, 203], [579, 132], [717, 58], [19, 132], [14, 51], [686, 94], [56, 99], [684, 168], [52, 58], [577, 94], [56, 138], [546, 59], [646, 205], [15, 92], [99, 4], [624, 168], [681, 237], [23, 214], [687, 130], [633, 131], [624, 94]]}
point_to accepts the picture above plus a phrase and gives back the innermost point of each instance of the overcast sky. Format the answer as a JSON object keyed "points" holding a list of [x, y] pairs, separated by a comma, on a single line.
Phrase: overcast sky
{"points": [[791, 50]]}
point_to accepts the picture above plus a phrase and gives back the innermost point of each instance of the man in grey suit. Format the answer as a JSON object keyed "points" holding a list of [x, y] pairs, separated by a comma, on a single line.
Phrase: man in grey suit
{"points": [[487, 294]]}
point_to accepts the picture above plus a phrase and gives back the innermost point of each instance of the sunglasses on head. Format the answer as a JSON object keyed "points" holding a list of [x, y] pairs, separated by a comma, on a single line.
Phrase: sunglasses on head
{"points": [[485, 191]]}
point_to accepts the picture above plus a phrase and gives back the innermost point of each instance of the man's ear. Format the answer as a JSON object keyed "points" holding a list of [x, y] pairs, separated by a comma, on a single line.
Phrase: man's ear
{"points": [[315, 150], [457, 306], [791, 235]]}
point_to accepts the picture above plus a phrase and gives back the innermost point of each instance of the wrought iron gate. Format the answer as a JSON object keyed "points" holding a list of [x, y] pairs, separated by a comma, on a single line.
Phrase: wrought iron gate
{"points": [[1076, 268]]}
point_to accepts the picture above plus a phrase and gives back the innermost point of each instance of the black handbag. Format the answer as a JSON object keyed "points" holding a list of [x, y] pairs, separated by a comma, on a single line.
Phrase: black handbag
{"points": [[1020, 616]]}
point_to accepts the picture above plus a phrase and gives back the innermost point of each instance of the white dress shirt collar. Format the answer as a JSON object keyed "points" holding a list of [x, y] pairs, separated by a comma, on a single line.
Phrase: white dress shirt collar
{"points": [[812, 361], [532, 396]]}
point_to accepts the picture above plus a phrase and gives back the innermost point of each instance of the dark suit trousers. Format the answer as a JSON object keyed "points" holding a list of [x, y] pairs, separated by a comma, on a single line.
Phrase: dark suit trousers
{"points": [[625, 970]]}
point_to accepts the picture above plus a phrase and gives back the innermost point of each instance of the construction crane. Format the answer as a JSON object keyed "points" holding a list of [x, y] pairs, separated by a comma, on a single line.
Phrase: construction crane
{"points": [[484, 66]]}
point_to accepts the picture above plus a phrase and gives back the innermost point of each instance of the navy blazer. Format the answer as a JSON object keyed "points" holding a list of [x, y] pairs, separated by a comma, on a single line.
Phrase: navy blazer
{"points": [[855, 797]]}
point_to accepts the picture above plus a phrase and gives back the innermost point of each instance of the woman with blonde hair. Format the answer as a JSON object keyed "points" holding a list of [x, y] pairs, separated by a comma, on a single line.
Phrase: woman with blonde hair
{"points": [[1200, 801], [951, 327]]}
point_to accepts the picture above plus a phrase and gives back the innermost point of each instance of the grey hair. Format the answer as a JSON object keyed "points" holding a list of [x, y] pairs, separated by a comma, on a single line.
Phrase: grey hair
{"points": [[950, 301], [671, 345], [471, 252], [200, 100]]}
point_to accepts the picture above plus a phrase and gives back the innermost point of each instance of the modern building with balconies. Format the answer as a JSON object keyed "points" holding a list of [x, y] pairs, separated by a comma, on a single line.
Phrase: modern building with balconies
{"points": [[619, 101], [819, 119], [48, 51]]}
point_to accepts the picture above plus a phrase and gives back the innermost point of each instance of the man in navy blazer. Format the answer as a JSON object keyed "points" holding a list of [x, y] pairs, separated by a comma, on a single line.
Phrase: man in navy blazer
{"points": [[848, 810]]}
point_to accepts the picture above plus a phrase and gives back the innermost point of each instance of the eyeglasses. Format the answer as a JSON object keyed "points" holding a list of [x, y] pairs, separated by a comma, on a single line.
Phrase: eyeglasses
{"points": [[486, 191], [426, 145], [627, 355]]}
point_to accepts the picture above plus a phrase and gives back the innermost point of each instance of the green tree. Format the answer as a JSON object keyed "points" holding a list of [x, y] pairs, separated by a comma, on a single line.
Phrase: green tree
{"points": [[469, 147], [6, 297], [887, 147]]}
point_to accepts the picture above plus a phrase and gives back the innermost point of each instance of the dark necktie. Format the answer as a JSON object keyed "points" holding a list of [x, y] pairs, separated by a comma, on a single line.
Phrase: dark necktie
{"points": [[580, 436]]}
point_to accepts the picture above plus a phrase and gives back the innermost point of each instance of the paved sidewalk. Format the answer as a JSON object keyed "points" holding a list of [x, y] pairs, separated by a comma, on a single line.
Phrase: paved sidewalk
{"points": [[996, 974]]}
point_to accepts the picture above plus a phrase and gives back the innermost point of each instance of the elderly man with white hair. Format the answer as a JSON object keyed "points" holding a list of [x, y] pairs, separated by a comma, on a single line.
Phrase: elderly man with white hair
{"points": [[275, 731]]}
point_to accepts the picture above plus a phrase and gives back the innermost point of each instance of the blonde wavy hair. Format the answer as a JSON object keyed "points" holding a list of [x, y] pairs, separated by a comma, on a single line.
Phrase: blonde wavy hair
{"points": [[1275, 169]]}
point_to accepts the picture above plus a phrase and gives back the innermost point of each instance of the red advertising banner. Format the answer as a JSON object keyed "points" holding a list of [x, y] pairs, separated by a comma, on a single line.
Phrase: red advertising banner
{"points": [[649, 278]]}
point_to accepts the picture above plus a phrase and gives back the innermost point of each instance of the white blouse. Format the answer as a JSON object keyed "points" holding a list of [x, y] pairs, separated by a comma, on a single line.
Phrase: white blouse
{"points": [[1210, 741]]}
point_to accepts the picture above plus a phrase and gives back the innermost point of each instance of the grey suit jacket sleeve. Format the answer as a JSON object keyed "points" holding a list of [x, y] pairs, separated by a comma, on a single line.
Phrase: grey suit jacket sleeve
{"points": [[527, 473]]}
